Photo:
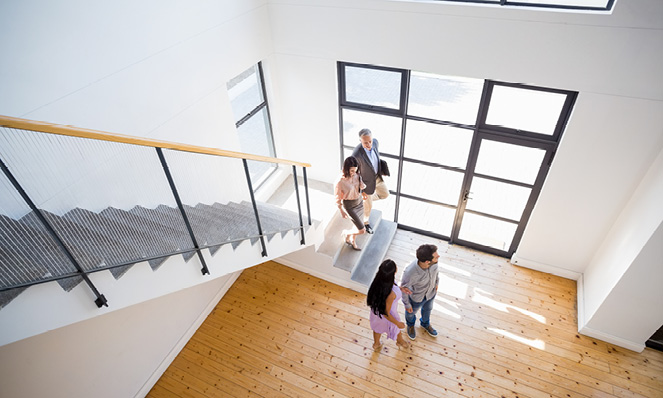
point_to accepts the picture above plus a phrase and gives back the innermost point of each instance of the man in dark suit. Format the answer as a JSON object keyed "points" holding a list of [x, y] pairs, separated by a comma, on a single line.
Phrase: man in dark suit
{"points": [[369, 167]]}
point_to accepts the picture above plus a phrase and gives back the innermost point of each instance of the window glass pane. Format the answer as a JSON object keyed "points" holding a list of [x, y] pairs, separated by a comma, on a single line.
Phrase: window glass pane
{"points": [[254, 135], [255, 138], [452, 99], [245, 92], [386, 206], [373, 87], [487, 231], [428, 217], [498, 198], [449, 146], [524, 109], [508, 161], [386, 129], [432, 183]]}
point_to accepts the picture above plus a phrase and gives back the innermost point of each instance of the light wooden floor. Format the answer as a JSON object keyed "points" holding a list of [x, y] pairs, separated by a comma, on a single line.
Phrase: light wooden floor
{"points": [[504, 331]]}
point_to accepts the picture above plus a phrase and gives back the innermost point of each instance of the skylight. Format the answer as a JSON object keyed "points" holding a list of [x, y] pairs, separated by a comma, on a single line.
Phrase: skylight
{"points": [[588, 5]]}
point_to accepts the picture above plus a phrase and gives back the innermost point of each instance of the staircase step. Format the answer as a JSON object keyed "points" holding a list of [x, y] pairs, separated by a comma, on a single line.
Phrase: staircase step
{"points": [[347, 257], [39, 244], [332, 237], [272, 219], [8, 295], [374, 253], [172, 222], [87, 229], [220, 226], [135, 242], [159, 238], [90, 248]]}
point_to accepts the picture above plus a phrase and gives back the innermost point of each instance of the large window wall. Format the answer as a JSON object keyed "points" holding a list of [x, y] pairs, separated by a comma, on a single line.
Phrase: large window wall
{"points": [[468, 157]]}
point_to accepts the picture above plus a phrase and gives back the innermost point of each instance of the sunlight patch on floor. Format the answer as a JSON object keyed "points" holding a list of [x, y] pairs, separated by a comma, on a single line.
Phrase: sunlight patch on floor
{"points": [[535, 343], [481, 296], [452, 287], [454, 269]]}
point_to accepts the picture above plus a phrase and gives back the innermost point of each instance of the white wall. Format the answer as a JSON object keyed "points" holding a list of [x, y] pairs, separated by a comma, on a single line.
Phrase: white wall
{"points": [[608, 147], [140, 69], [150, 68], [113, 355], [621, 293]]}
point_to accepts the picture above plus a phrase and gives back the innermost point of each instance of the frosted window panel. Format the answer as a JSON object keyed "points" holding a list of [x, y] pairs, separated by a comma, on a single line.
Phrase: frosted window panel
{"points": [[452, 99], [526, 110], [487, 231], [497, 198], [386, 129], [574, 3], [386, 206], [373, 87], [432, 183], [508, 161], [245, 92], [255, 138], [449, 146], [428, 217]]}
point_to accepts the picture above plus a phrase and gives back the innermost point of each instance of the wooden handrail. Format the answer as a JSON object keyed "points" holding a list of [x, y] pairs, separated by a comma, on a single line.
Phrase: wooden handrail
{"points": [[25, 124]]}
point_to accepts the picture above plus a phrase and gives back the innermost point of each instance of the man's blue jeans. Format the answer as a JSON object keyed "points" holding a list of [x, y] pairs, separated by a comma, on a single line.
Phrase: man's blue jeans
{"points": [[426, 308]]}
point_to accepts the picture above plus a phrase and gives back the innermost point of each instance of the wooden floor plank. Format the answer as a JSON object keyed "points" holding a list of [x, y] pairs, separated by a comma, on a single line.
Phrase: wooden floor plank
{"points": [[504, 331]]}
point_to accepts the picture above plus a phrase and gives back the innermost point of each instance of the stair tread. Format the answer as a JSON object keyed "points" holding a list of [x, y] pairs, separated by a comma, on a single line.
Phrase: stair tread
{"points": [[38, 249], [85, 243], [174, 228], [365, 269], [139, 243], [347, 257]]}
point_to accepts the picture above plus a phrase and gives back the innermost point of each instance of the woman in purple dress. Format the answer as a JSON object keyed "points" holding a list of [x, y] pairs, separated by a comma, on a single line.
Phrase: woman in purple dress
{"points": [[383, 297]]}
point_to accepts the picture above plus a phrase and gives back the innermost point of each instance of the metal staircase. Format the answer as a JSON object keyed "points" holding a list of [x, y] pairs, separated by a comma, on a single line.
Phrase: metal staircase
{"points": [[115, 239], [74, 202]]}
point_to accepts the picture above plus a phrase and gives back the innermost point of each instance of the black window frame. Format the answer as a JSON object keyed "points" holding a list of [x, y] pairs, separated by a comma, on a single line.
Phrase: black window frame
{"points": [[480, 131], [608, 7], [270, 136]]}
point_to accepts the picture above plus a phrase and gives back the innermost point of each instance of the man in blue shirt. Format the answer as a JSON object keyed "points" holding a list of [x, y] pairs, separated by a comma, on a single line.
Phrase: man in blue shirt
{"points": [[368, 155], [419, 286]]}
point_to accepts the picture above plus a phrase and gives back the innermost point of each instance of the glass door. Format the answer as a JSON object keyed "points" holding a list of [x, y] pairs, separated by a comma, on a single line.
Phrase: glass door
{"points": [[434, 160], [500, 190]]}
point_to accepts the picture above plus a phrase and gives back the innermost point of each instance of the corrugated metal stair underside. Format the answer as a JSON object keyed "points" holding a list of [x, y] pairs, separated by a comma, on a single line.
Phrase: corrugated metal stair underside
{"points": [[113, 236]]}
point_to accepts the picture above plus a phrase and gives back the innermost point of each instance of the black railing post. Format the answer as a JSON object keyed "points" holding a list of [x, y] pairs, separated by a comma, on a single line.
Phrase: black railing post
{"points": [[255, 207], [299, 206], [101, 299], [308, 203], [204, 270]]}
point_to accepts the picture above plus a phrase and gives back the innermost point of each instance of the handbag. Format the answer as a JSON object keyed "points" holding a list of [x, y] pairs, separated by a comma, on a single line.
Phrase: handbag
{"points": [[384, 168]]}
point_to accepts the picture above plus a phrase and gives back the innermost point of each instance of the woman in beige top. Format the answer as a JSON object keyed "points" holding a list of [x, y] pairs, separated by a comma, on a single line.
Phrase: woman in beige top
{"points": [[350, 199]]}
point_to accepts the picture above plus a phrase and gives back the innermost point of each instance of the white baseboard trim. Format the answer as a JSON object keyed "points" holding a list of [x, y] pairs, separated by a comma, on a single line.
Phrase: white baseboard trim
{"points": [[580, 300], [597, 334], [152, 380], [549, 269], [618, 341], [357, 287]]}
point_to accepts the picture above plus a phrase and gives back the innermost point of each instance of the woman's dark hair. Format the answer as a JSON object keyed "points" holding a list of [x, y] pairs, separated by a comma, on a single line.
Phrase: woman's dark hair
{"points": [[349, 162], [381, 287]]}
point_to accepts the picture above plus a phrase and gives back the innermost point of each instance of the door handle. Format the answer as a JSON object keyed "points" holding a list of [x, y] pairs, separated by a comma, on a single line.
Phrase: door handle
{"points": [[466, 196]]}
